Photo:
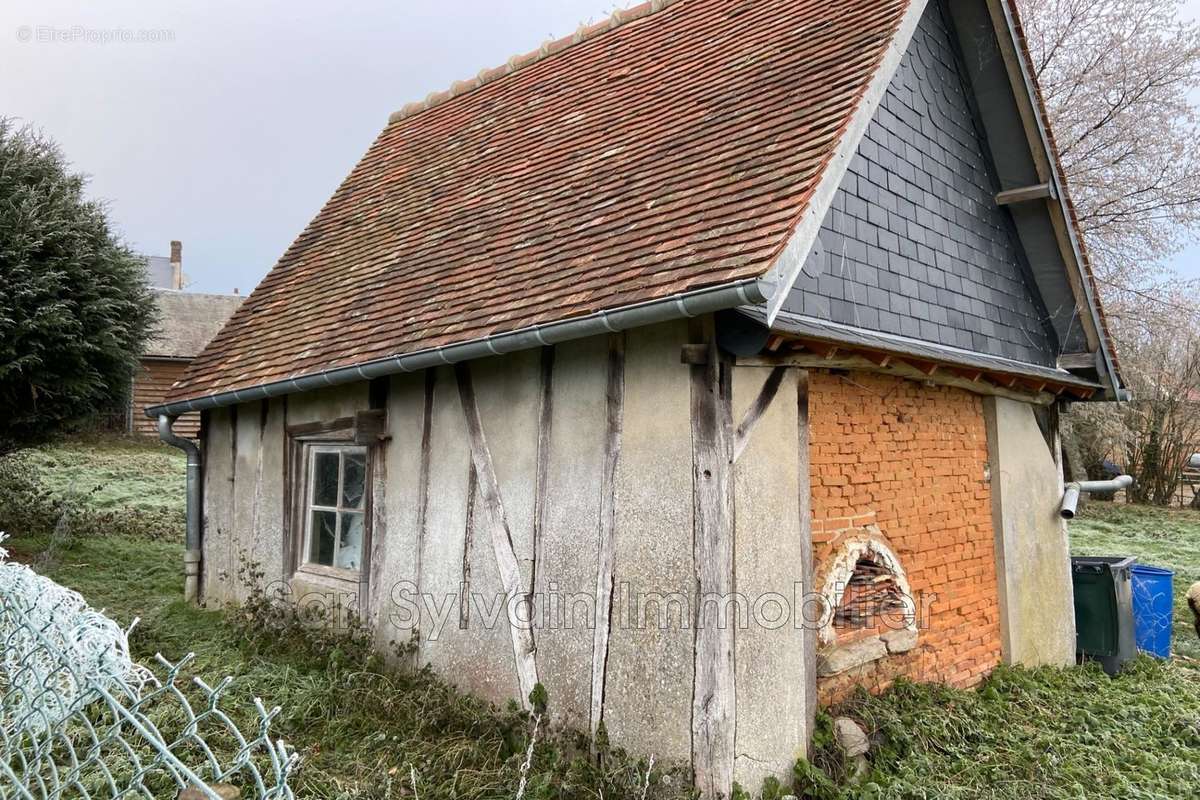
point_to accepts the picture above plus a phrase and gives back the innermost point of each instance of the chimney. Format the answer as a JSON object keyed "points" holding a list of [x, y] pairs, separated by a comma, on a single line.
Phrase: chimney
{"points": [[176, 264]]}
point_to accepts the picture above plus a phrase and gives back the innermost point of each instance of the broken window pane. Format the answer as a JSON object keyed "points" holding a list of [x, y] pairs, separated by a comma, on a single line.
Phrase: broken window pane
{"points": [[348, 555], [323, 537], [325, 479], [354, 480]]}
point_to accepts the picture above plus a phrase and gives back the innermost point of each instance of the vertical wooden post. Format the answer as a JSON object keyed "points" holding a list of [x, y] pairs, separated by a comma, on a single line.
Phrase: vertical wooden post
{"points": [[423, 471], [807, 569], [714, 699], [605, 560], [545, 424]]}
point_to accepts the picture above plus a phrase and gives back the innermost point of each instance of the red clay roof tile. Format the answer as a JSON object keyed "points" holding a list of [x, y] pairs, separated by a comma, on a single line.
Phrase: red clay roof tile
{"points": [[661, 152]]}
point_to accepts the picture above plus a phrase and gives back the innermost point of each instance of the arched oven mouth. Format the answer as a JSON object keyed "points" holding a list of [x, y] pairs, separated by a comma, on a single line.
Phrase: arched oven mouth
{"points": [[869, 609]]}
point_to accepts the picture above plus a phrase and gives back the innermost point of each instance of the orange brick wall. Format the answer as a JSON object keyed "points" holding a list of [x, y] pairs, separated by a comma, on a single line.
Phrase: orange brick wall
{"points": [[911, 459]]}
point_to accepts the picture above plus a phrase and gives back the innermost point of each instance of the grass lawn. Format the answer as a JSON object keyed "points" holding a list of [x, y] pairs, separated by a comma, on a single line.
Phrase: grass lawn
{"points": [[363, 731], [113, 473]]}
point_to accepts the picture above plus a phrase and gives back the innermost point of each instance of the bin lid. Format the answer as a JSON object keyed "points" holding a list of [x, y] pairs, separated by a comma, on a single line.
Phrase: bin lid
{"points": [[1102, 563]]}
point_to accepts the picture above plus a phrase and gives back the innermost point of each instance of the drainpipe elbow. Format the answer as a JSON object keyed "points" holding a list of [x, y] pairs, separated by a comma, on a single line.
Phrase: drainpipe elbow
{"points": [[1073, 490]]}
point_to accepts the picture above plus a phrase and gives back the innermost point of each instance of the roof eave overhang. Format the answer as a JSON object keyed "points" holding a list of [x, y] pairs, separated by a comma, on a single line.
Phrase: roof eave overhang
{"points": [[747, 292], [818, 344]]}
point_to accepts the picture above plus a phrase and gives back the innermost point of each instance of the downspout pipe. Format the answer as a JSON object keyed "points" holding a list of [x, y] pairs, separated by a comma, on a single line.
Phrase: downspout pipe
{"points": [[191, 553], [1076, 488]]}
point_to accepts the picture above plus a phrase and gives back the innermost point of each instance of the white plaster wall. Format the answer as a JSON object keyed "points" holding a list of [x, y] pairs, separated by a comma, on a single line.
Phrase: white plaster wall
{"points": [[326, 405], [569, 540], [218, 530], [1033, 560], [506, 392], [395, 559], [648, 695], [771, 714], [446, 647]]}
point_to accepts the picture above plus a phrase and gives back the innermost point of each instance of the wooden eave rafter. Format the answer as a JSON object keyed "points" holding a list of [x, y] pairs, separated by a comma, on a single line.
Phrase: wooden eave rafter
{"points": [[815, 354]]}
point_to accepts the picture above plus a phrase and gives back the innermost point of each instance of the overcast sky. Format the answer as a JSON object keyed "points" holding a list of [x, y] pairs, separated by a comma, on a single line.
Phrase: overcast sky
{"points": [[232, 124]]}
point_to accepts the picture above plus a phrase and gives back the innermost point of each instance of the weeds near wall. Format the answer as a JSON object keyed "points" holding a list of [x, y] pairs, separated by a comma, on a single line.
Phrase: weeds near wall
{"points": [[1049, 733], [373, 721]]}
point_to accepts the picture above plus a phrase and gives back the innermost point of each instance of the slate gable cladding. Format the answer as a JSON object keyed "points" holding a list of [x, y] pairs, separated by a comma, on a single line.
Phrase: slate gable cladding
{"points": [[914, 243]]}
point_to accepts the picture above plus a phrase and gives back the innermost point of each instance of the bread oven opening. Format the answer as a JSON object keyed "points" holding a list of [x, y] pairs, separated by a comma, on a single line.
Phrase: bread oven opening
{"points": [[871, 603], [870, 612]]}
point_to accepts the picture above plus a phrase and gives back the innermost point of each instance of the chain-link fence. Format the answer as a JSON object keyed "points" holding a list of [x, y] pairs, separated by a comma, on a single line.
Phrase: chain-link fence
{"points": [[78, 718]]}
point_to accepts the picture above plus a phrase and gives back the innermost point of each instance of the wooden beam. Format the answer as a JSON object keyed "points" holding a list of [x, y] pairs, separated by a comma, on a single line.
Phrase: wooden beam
{"points": [[1041, 158], [545, 424], [1082, 392], [1077, 361], [807, 564], [878, 359], [770, 388], [502, 545], [464, 594], [927, 368], [423, 470], [1004, 379], [714, 703], [1038, 191], [822, 349], [899, 369], [972, 375], [693, 354], [606, 556]]}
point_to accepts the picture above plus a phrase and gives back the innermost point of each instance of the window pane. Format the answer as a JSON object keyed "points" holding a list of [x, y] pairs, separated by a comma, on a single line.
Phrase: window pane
{"points": [[354, 480], [325, 479], [324, 534], [349, 554]]}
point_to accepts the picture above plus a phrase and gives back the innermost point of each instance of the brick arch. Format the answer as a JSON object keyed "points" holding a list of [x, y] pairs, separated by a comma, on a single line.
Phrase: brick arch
{"points": [[840, 566]]}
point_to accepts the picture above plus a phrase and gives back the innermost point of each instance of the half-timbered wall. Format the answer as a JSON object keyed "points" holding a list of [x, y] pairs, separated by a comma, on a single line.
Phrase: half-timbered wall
{"points": [[615, 483]]}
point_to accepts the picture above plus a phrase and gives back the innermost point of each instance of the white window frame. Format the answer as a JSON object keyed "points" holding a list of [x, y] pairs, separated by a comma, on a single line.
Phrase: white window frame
{"points": [[311, 449]]}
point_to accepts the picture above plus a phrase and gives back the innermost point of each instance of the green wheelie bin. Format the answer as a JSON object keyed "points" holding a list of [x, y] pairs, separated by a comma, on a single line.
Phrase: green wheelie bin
{"points": [[1104, 610]]}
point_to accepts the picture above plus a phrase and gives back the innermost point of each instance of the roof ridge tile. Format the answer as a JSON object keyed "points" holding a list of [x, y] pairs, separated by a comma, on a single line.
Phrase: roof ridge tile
{"points": [[551, 47]]}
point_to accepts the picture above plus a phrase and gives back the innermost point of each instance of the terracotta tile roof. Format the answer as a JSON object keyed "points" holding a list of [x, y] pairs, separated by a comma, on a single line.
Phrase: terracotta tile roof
{"points": [[652, 154]]}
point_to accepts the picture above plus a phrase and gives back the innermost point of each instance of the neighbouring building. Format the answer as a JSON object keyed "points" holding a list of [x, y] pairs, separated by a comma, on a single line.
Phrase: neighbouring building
{"points": [[699, 366], [187, 322]]}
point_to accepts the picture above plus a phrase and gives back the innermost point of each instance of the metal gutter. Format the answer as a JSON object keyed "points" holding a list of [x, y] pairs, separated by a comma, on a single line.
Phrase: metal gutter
{"points": [[1061, 200], [192, 550], [752, 291]]}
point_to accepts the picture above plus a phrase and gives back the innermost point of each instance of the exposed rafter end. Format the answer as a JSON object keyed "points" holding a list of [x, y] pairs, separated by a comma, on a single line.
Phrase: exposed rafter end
{"points": [[1039, 191], [822, 349], [810, 354]]}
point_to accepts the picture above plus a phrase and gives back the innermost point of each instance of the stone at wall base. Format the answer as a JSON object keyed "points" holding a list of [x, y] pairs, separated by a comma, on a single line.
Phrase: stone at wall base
{"points": [[900, 641], [837, 660], [851, 737]]}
